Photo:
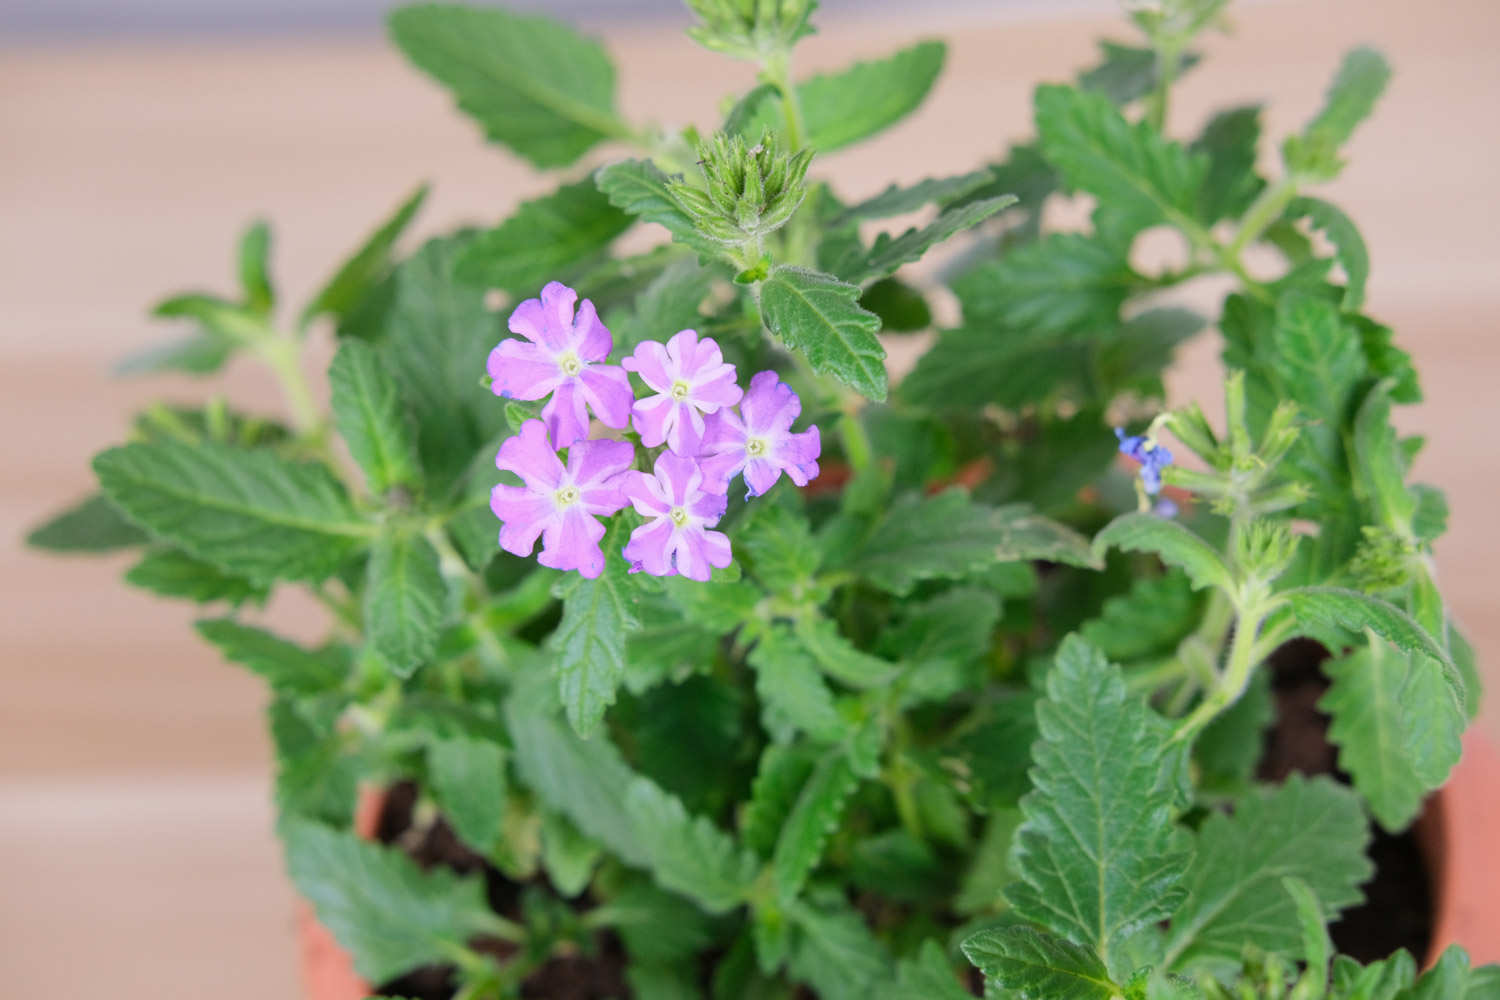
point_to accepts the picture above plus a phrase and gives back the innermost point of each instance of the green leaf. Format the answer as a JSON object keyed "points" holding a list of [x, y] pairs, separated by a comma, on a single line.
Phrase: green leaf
{"points": [[1127, 73], [940, 639], [1152, 617], [1331, 607], [1128, 166], [364, 268], [173, 573], [1030, 964], [839, 658], [1379, 466], [1451, 977], [467, 778], [405, 599], [784, 770], [247, 512], [819, 316], [1311, 829], [1317, 948], [569, 857], [1172, 543], [688, 854], [888, 253], [670, 302], [657, 926], [639, 188], [544, 238], [201, 353], [288, 667], [223, 327], [1064, 283], [927, 976], [372, 418], [254, 267], [91, 525], [815, 817], [839, 109], [389, 914], [1348, 244], [531, 82], [315, 778], [1229, 140], [793, 695], [589, 643], [778, 544], [901, 308], [898, 200], [1361, 80], [1232, 745], [835, 952], [1027, 535], [1099, 856], [1397, 726]]}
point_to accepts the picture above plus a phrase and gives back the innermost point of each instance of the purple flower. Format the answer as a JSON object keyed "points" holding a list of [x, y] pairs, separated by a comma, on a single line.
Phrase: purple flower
{"points": [[1152, 456], [758, 440], [559, 356], [691, 379], [562, 505], [676, 538]]}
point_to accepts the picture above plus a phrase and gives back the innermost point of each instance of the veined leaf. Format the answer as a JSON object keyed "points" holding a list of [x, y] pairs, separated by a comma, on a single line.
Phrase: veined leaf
{"points": [[372, 418], [926, 976], [784, 770], [1099, 855], [1151, 617], [820, 317], [1065, 282], [467, 777], [248, 512], [888, 253], [544, 238], [405, 599], [898, 200], [1229, 140], [793, 696], [815, 817], [288, 667], [1324, 607], [639, 188], [91, 525], [688, 854], [174, 573], [779, 545], [589, 643], [839, 109], [531, 82], [1361, 79], [366, 266], [1312, 829], [837, 657], [1027, 535], [1172, 543], [1348, 244], [835, 952], [1030, 964]]}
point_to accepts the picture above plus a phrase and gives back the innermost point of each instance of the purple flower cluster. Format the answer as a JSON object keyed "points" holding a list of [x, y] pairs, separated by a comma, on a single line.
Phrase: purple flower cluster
{"points": [[1152, 456], [690, 410]]}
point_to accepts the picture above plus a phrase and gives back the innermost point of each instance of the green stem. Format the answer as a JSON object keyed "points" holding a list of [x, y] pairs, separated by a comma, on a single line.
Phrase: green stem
{"points": [[855, 438], [281, 354], [1265, 210], [1167, 57], [1242, 660], [777, 71]]}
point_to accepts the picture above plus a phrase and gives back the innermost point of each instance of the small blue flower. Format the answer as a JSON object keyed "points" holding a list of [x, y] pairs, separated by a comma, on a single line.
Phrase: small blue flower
{"points": [[1152, 456]]}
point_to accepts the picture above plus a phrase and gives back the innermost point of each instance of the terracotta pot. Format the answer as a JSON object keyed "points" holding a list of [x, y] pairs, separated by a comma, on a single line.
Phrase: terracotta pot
{"points": [[1457, 834]]}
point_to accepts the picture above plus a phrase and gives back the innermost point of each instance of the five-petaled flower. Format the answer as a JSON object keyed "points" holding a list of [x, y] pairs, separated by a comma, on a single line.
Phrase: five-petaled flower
{"points": [[562, 505], [1152, 456], [691, 379], [759, 441], [680, 511], [560, 356]]}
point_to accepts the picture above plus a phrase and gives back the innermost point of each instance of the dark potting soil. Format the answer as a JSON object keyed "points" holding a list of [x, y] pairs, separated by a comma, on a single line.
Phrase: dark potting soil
{"points": [[1397, 911]]}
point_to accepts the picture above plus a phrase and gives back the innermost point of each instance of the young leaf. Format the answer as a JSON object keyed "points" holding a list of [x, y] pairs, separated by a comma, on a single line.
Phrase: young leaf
{"points": [[91, 525], [784, 770], [544, 237], [247, 512], [365, 267], [1317, 948], [1331, 607], [589, 644], [223, 327], [173, 573], [1397, 727], [793, 696], [812, 821], [1150, 618], [1064, 283], [467, 778], [254, 267], [819, 316], [640, 189], [288, 667], [531, 82], [372, 418], [1172, 543], [1031, 964], [389, 914], [1360, 81], [898, 200], [889, 253], [1348, 244], [201, 353], [839, 109], [405, 599], [1099, 855], [1229, 140], [1312, 829]]}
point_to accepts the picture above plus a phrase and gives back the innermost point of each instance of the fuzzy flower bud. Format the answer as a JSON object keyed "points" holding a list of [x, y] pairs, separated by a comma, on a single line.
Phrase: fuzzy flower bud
{"points": [[751, 29], [748, 192]]}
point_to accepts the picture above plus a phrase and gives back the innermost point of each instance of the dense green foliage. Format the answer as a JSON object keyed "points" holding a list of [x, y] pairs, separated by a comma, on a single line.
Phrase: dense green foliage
{"points": [[970, 698]]}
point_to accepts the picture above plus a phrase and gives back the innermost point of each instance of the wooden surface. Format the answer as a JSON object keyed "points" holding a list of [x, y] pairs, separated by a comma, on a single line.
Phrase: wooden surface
{"points": [[135, 847]]}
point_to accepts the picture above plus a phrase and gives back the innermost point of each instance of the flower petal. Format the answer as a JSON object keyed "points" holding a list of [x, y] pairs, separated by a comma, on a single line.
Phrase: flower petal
{"points": [[798, 454], [529, 455], [522, 370], [681, 477], [523, 515], [591, 338], [770, 405], [760, 475], [649, 547], [572, 542], [651, 363], [607, 390], [567, 415], [651, 418]]}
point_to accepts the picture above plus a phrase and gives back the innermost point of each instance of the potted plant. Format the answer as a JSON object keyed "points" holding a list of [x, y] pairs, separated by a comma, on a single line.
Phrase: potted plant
{"points": [[782, 681]]}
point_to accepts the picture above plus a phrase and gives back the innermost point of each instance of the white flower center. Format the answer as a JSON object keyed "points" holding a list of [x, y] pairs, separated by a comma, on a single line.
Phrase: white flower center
{"points": [[756, 447], [566, 496], [680, 390], [569, 364], [679, 516]]}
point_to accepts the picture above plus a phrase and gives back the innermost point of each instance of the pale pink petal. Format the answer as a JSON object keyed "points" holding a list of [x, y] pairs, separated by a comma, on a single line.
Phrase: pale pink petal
{"points": [[680, 475], [708, 506], [651, 419], [572, 542], [522, 370], [649, 547], [770, 405], [760, 475], [591, 337], [717, 388], [523, 515], [530, 455], [689, 555], [684, 429], [719, 469], [644, 493], [716, 549], [798, 454], [529, 320], [651, 363], [557, 308], [607, 390], [566, 415]]}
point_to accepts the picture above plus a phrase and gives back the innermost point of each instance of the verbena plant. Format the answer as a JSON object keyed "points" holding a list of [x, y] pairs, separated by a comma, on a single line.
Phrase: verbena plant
{"points": [[976, 694]]}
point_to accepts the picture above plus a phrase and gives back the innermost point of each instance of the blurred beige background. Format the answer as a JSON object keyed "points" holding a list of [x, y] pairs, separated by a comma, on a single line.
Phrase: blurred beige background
{"points": [[136, 856]]}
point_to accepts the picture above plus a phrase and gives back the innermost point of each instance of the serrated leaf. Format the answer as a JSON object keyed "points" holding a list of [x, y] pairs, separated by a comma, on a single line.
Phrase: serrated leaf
{"points": [[1348, 244], [372, 418], [531, 82], [1360, 81], [173, 573], [939, 639], [1128, 166], [1325, 607], [1312, 829], [689, 737], [778, 543], [1027, 535], [819, 316], [1099, 856], [889, 253], [315, 778], [1151, 617], [91, 525], [589, 643], [839, 109], [467, 778], [1317, 949], [656, 925], [1229, 140], [669, 303], [815, 817], [926, 976], [390, 915], [639, 188], [688, 854], [1030, 964], [898, 200], [1451, 977], [1397, 726], [1170, 542], [364, 268], [835, 952], [569, 857], [1127, 73], [946, 536], [248, 512], [288, 667], [1063, 283], [839, 658], [404, 601], [793, 696], [784, 769], [543, 238]]}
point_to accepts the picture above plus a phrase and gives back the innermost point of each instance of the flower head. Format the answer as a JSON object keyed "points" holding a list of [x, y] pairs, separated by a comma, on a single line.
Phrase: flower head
{"points": [[691, 379], [560, 356], [561, 505], [759, 441], [675, 538], [1152, 456]]}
